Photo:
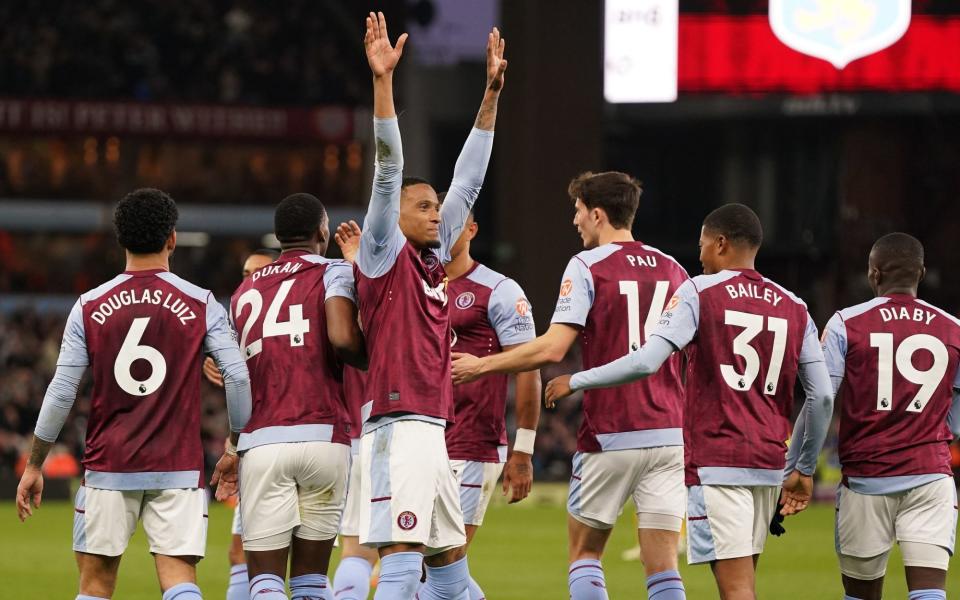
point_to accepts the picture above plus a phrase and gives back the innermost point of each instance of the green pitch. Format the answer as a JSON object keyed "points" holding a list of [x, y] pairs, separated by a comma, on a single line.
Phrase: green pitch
{"points": [[519, 553]]}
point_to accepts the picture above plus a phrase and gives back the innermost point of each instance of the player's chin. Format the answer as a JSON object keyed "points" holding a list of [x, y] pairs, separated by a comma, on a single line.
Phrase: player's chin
{"points": [[432, 243]]}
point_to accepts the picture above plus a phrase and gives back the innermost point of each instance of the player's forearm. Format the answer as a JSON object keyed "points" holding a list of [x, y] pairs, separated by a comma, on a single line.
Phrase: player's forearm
{"points": [[57, 402], [236, 386], [525, 357], [384, 210], [352, 350], [528, 399], [39, 450], [626, 369], [383, 97], [487, 115], [818, 411]]}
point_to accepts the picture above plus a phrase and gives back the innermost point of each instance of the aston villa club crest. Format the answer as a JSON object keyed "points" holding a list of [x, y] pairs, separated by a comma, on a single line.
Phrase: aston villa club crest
{"points": [[406, 520], [839, 31], [465, 300]]}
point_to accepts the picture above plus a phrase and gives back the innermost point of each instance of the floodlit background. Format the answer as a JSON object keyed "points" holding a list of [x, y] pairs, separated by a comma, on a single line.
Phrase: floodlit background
{"points": [[230, 105]]}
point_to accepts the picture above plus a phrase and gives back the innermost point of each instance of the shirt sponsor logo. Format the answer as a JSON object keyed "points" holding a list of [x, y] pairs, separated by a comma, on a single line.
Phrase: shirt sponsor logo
{"points": [[566, 287], [523, 307], [465, 300], [406, 520], [674, 302]]}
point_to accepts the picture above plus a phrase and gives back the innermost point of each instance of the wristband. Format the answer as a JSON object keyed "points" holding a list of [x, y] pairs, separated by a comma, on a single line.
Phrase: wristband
{"points": [[524, 441], [229, 449]]}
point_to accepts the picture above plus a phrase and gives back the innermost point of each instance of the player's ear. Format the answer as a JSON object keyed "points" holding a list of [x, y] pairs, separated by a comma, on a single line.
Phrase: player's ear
{"points": [[172, 241], [923, 273]]}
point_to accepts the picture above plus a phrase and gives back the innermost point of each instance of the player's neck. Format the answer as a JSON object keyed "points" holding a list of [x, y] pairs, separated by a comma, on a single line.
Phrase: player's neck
{"points": [[608, 235], [456, 268], [898, 290], [148, 262]]}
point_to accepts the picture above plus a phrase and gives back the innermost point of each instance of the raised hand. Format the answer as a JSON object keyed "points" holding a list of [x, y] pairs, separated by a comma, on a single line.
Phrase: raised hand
{"points": [[381, 56], [496, 63], [796, 493], [559, 387], [29, 492], [347, 237]]}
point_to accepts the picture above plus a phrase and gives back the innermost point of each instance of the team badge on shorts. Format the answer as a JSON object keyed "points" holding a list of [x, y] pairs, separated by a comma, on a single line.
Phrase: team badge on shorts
{"points": [[407, 520], [465, 300]]}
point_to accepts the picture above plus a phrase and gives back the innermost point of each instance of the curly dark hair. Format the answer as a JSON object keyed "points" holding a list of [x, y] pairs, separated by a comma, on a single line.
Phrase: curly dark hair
{"points": [[144, 219]]}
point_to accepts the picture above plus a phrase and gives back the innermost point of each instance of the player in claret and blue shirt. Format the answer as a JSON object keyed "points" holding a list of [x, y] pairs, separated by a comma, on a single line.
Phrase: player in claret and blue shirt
{"points": [[894, 361], [746, 338], [143, 334]]}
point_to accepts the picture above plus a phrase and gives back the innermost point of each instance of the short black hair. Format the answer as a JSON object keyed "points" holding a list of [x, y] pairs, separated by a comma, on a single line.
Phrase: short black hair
{"points": [[616, 193], [297, 218], [144, 219], [898, 254], [268, 252], [737, 223], [413, 180]]}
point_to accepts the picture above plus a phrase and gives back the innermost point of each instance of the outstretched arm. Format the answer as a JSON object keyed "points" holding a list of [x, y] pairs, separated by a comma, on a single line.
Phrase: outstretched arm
{"points": [[472, 164], [381, 234], [547, 349]]}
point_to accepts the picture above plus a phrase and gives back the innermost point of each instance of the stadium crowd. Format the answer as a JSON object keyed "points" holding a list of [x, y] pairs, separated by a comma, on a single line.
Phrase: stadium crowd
{"points": [[227, 51]]}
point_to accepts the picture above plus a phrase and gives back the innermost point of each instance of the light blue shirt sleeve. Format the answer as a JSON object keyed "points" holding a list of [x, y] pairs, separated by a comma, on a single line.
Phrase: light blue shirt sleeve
{"points": [[381, 240], [57, 402], [73, 349], [221, 343], [338, 281], [810, 351], [635, 365], [813, 422], [510, 313], [576, 294], [468, 176], [680, 319], [835, 346]]}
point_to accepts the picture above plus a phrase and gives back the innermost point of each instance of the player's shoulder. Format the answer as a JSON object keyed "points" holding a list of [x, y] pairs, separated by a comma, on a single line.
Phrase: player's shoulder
{"points": [[591, 257], [852, 312], [103, 288], [484, 276], [789, 294], [667, 259], [702, 283], [194, 291], [948, 316]]}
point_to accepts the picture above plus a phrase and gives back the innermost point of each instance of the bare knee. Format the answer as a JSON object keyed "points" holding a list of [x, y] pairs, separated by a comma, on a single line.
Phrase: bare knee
{"points": [[863, 589], [447, 557], [735, 578], [658, 548], [174, 570], [584, 541]]}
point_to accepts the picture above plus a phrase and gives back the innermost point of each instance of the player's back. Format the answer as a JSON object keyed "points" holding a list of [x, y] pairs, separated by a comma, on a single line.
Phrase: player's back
{"points": [[144, 333], [751, 337], [406, 323], [900, 357], [629, 284], [295, 376]]}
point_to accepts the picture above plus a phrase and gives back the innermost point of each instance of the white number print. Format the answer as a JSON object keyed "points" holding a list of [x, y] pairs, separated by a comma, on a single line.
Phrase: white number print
{"points": [[631, 289], [131, 351], [752, 326], [296, 327], [928, 380]]}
